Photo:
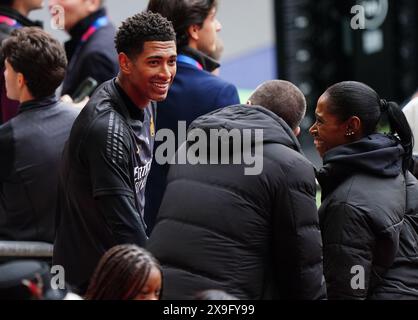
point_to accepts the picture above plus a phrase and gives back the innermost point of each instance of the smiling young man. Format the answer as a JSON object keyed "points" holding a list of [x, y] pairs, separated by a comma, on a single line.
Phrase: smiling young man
{"points": [[108, 157]]}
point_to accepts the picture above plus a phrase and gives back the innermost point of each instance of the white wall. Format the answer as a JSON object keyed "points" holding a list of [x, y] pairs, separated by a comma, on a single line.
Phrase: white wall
{"points": [[247, 24]]}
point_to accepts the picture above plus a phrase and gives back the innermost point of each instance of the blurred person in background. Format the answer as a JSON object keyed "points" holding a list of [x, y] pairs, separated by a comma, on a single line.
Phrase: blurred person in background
{"points": [[32, 280], [411, 113], [13, 15], [90, 50]]}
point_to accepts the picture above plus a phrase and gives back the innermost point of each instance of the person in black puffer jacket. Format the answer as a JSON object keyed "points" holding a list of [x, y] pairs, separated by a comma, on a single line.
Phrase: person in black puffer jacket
{"points": [[369, 213], [252, 236]]}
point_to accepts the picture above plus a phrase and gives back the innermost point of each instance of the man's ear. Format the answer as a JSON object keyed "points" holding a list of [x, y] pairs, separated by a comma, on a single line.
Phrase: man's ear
{"points": [[296, 131], [193, 32], [125, 64], [21, 81]]}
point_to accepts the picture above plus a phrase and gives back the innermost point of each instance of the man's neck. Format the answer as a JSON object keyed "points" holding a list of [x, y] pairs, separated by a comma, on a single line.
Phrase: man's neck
{"points": [[21, 8], [192, 44], [25, 96], [140, 101], [207, 62], [81, 26]]}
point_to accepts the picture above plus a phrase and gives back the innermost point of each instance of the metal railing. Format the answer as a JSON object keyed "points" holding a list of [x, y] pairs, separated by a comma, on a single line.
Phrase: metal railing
{"points": [[12, 250]]}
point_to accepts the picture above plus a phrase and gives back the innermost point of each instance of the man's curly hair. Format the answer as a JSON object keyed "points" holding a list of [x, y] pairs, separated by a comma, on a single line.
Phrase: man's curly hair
{"points": [[142, 27]]}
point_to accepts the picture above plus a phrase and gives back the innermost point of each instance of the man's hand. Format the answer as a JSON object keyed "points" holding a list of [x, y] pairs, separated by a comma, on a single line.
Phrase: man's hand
{"points": [[80, 105]]}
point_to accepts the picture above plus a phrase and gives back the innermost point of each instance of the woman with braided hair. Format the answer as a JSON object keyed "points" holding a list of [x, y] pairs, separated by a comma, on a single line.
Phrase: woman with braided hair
{"points": [[369, 211], [126, 272]]}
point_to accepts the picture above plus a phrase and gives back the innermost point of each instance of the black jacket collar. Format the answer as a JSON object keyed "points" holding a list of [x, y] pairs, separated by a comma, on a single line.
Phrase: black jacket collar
{"points": [[14, 14], [207, 62], [377, 154], [38, 103], [133, 110], [81, 27]]}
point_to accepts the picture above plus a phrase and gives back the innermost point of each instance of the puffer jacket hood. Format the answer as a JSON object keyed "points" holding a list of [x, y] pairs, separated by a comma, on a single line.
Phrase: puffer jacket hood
{"points": [[377, 154], [275, 129]]}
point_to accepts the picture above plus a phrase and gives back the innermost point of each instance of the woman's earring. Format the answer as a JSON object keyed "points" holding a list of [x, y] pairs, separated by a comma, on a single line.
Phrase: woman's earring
{"points": [[349, 133]]}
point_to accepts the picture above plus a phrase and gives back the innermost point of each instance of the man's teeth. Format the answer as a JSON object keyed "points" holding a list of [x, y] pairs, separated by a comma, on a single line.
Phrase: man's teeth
{"points": [[160, 85]]}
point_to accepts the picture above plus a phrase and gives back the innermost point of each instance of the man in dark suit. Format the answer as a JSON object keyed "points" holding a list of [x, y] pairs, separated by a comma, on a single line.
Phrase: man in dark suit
{"points": [[195, 90], [90, 51]]}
